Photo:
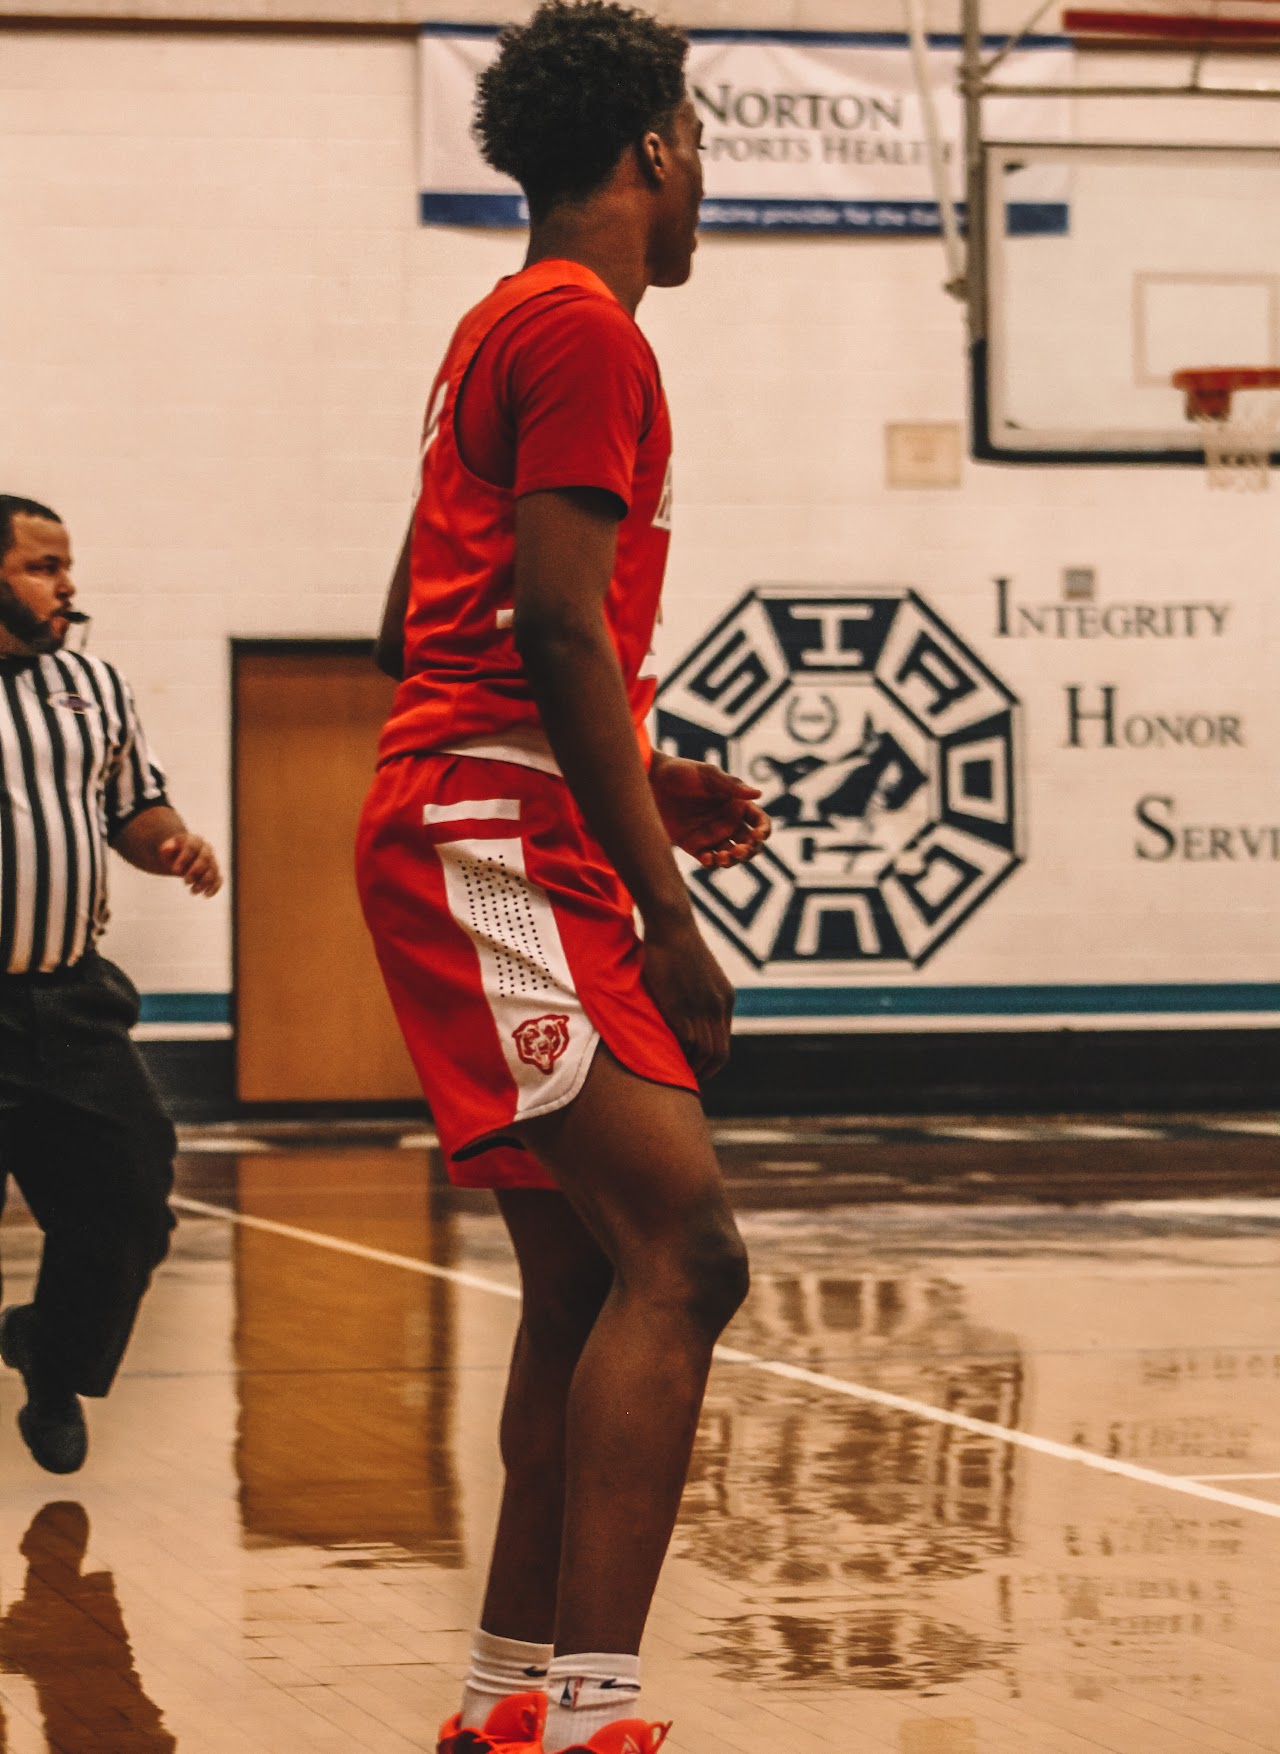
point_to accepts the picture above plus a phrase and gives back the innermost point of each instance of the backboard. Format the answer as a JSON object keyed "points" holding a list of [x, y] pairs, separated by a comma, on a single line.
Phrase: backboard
{"points": [[1169, 258]]}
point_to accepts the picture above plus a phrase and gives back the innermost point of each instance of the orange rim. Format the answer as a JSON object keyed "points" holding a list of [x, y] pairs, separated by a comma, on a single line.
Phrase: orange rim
{"points": [[1209, 388]]}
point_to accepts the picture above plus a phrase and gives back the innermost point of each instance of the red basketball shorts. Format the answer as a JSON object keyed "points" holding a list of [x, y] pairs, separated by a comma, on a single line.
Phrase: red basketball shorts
{"points": [[509, 949]]}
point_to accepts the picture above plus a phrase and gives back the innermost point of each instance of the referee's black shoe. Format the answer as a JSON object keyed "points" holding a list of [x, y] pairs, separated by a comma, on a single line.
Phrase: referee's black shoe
{"points": [[52, 1422]]}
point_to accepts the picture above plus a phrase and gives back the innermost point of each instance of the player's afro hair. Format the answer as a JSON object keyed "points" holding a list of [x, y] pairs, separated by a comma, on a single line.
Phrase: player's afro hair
{"points": [[571, 90]]}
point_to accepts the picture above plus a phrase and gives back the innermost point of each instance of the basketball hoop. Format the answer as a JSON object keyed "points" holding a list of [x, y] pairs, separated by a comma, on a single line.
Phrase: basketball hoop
{"points": [[1237, 442]]}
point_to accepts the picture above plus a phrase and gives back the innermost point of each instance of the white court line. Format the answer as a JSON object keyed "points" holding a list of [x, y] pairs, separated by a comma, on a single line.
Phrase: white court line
{"points": [[181, 1032], [1219, 1206], [761, 1135], [218, 1143], [1016, 1135], [1101, 1130], [472, 1281], [1234, 1476], [814, 1379]]}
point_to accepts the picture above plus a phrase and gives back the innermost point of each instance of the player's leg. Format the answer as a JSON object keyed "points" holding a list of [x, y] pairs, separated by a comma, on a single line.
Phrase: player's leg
{"points": [[631, 1155], [635, 1160], [565, 1279]]}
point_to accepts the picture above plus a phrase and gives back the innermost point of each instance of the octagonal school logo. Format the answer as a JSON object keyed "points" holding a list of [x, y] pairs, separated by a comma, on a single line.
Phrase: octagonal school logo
{"points": [[885, 752]]}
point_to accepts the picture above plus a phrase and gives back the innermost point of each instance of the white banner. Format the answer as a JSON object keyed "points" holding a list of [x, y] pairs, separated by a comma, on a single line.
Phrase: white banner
{"points": [[804, 132]]}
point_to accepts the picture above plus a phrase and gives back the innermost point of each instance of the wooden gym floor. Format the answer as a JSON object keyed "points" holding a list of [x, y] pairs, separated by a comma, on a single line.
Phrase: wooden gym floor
{"points": [[980, 1471]]}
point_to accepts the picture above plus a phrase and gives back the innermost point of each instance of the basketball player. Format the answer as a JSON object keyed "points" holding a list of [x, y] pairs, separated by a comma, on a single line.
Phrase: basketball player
{"points": [[516, 818]]}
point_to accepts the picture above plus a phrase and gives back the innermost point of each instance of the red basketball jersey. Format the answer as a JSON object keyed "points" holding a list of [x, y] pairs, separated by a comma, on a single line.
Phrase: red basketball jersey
{"points": [[464, 686]]}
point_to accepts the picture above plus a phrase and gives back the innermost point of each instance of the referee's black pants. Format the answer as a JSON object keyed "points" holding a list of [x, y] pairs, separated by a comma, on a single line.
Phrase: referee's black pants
{"points": [[84, 1136]]}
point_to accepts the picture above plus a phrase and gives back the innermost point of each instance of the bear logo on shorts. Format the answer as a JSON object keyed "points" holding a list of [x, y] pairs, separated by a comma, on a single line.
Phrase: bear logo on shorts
{"points": [[541, 1041]]}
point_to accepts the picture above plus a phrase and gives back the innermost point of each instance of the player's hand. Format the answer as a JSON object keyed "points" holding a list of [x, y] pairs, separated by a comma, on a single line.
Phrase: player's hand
{"points": [[708, 812], [692, 992], [190, 857]]}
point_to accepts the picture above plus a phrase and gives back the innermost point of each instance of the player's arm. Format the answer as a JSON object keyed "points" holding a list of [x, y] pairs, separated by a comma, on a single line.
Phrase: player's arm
{"points": [[565, 546], [706, 811], [159, 841], [388, 649]]}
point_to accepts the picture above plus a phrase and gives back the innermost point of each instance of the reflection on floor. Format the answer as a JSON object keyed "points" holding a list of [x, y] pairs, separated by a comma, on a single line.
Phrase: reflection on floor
{"points": [[277, 1542], [829, 1160], [65, 1634]]}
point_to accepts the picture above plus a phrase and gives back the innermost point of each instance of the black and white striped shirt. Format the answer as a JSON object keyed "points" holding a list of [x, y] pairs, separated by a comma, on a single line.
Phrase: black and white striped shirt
{"points": [[74, 769]]}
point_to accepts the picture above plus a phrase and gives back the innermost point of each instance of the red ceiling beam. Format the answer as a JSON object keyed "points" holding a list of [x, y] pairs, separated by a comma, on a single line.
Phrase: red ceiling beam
{"points": [[1167, 27]]}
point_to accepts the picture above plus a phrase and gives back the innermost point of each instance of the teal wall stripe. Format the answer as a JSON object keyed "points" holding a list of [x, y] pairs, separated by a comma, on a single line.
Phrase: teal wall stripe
{"points": [[1193, 999], [186, 1008]]}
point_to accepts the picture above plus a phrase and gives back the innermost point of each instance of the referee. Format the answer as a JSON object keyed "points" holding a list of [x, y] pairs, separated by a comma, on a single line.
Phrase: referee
{"points": [[81, 1129]]}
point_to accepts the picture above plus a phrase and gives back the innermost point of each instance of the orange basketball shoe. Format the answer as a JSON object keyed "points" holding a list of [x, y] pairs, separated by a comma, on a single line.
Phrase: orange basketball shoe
{"points": [[628, 1736], [514, 1726]]}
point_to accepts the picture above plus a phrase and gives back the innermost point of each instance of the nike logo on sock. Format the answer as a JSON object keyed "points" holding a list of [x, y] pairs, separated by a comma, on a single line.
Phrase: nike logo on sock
{"points": [[580, 1690], [534, 1673]]}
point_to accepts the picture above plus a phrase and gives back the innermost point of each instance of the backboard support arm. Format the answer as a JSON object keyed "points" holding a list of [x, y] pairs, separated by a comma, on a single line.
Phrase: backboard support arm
{"points": [[953, 248], [975, 184]]}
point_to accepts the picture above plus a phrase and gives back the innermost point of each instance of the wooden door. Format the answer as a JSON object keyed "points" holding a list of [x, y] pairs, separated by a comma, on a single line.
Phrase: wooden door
{"points": [[313, 1023]]}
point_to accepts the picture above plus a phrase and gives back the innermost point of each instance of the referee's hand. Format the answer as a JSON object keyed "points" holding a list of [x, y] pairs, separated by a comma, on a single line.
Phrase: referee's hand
{"points": [[192, 858]]}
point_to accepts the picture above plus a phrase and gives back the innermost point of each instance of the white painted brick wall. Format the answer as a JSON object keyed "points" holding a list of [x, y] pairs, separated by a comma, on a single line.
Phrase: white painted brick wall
{"points": [[218, 321]]}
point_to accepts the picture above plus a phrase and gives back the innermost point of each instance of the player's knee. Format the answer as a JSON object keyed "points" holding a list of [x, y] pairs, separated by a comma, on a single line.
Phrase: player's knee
{"points": [[716, 1275]]}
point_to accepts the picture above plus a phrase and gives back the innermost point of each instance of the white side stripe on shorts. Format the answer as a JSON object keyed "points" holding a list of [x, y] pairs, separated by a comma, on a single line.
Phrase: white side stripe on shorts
{"points": [[474, 810], [546, 1036]]}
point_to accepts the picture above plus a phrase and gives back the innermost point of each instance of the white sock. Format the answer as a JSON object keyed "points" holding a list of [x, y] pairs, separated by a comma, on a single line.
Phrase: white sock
{"points": [[499, 1667], [585, 1693]]}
